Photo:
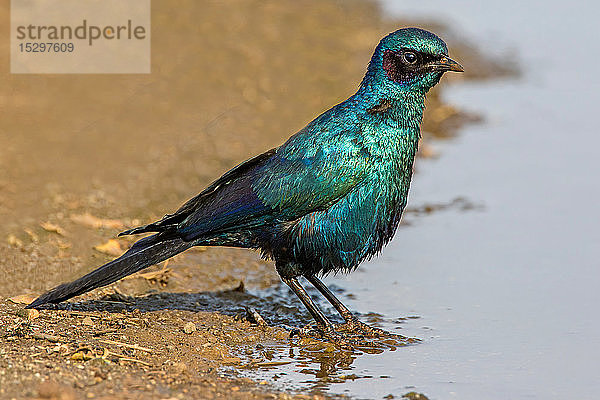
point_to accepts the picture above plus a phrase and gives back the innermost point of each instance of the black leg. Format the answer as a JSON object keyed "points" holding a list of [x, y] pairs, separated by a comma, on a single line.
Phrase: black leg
{"points": [[325, 329], [338, 305], [352, 325], [316, 313]]}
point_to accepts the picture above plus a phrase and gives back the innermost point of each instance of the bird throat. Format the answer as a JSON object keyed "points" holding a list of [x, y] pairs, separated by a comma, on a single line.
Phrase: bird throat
{"points": [[404, 112]]}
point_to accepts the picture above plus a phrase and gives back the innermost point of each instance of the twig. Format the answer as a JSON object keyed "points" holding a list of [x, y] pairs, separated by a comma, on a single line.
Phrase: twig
{"points": [[131, 346], [125, 358]]}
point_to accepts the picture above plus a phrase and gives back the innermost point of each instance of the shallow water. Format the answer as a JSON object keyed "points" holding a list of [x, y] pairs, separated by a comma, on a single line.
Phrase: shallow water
{"points": [[506, 293]]}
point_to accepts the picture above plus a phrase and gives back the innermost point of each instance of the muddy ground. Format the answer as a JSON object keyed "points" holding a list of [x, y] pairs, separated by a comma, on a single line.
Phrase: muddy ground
{"points": [[85, 156]]}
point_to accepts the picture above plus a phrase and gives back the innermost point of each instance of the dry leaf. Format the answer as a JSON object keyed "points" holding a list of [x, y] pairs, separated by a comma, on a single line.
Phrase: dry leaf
{"points": [[50, 227], [22, 298], [88, 219], [14, 241], [112, 248], [83, 355], [32, 235]]}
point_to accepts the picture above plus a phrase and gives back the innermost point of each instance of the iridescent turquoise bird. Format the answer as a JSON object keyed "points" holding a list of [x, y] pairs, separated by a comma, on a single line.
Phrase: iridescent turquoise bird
{"points": [[324, 201]]}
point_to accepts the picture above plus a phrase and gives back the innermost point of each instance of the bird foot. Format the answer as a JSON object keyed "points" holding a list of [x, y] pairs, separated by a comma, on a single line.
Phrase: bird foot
{"points": [[353, 335], [325, 334], [355, 327]]}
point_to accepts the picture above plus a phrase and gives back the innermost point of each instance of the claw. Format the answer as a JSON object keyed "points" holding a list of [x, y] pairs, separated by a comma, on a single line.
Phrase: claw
{"points": [[353, 336], [359, 329]]}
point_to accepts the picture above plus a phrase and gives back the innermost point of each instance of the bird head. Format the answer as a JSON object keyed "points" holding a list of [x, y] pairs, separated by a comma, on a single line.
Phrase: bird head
{"points": [[409, 59]]}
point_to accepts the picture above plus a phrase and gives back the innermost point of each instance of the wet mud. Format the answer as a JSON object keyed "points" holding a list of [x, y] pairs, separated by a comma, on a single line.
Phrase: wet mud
{"points": [[85, 156]]}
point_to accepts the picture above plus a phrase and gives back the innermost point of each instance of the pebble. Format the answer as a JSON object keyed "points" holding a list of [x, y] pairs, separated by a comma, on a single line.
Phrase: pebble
{"points": [[189, 327]]}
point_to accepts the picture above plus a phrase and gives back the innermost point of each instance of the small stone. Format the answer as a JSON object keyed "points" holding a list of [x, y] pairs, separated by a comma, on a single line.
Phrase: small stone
{"points": [[87, 321], [189, 327], [32, 314], [415, 396]]}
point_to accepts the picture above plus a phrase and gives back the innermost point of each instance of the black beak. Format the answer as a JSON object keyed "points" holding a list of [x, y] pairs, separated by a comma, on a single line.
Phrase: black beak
{"points": [[447, 64]]}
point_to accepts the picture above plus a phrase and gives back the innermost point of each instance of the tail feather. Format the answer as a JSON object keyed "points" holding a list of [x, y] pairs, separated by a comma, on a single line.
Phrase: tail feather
{"points": [[144, 253], [139, 229]]}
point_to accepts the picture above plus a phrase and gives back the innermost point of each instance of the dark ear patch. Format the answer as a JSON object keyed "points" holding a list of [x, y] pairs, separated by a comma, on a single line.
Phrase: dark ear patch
{"points": [[397, 68], [394, 67]]}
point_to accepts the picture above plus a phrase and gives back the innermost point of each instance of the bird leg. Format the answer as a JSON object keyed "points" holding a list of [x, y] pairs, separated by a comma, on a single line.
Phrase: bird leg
{"points": [[312, 308], [352, 324], [325, 327]]}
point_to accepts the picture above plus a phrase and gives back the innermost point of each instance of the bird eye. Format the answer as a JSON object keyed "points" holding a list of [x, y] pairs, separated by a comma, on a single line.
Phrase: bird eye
{"points": [[410, 57]]}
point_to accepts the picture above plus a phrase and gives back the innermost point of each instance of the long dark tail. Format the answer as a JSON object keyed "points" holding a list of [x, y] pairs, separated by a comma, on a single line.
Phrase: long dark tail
{"points": [[144, 253]]}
